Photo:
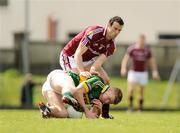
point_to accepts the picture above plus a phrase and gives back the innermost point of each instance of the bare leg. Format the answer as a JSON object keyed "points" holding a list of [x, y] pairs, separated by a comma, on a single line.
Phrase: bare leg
{"points": [[141, 98], [56, 106], [131, 86]]}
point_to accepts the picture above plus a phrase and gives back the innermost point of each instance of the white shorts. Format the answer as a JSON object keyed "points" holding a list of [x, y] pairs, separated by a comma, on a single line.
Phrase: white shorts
{"points": [[46, 86], [68, 62], [138, 77]]}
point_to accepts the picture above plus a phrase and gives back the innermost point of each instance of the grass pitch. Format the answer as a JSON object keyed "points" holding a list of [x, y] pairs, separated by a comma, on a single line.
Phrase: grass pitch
{"points": [[28, 121]]}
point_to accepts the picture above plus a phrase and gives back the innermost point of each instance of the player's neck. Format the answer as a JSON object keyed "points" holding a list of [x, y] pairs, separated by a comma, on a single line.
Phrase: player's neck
{"points": [[141, 46], [108, 37]]}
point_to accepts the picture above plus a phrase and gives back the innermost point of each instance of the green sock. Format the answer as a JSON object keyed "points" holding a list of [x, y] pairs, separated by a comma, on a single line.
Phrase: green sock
{"points": [[68, 94]]}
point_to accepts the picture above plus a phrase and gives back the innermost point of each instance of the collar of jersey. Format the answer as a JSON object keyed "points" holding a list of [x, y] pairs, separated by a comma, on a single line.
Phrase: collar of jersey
{"points": [[105, 88]]}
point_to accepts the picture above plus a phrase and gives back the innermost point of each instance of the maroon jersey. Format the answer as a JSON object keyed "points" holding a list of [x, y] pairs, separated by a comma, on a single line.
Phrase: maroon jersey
{"points": [[94, 38], [139, 57]]}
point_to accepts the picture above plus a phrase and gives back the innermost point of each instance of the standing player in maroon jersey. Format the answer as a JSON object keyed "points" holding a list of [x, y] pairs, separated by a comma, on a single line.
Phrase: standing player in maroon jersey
{"points": [[87, 51], [137, 75]]}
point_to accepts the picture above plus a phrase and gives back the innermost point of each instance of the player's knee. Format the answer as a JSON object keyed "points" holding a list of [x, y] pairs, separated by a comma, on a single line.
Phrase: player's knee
{"points": [[62, 113], [141, 96], [130, 92]]}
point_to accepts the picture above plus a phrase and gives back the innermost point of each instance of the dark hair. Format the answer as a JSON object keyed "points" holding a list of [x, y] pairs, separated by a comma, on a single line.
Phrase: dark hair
{"points": [[118, 95], [116, 19]]}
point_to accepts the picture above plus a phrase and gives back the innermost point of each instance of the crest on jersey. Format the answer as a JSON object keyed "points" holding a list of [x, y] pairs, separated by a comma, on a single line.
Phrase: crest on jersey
{"points": [[90, 34]]}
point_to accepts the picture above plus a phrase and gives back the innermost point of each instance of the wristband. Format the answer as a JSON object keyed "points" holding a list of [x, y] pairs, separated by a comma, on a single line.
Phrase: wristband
{"points": [[82, 73], [93, 68]]}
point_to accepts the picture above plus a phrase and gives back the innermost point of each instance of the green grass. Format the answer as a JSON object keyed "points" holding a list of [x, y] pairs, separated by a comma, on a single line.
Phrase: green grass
{"points": [[25, 121], [10, 88]]}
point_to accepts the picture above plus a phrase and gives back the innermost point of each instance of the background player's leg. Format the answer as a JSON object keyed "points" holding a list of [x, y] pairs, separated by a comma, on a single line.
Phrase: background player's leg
{"points": [[131, 86], [141, 98]]}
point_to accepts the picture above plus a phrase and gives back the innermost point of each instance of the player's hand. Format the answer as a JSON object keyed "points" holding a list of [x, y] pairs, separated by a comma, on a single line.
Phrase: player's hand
{"points": [[91, 115], [94, 72], [97, 103], [155, 75], [123, 72], [85, 74]]}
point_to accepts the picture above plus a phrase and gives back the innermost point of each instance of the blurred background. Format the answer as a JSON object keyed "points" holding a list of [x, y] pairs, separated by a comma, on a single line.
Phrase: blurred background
{"points": [[33, 32]]}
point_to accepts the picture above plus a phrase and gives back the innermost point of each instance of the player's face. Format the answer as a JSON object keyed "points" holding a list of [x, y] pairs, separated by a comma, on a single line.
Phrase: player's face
{"points": [[108, 97], [113, 30]]}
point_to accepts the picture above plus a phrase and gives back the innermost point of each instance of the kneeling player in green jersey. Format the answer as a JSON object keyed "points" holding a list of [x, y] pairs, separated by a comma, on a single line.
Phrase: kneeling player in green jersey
{"points": [[67, 87]]}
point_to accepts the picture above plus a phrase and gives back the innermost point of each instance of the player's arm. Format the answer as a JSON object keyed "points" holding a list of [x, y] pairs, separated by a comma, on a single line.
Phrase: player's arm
{"points": [[124, 64], [86, 41], [79, 61], [78, 94], [97, 68], [97, 65], [100, 61], [153, 65], [78, 56], [97, 107]]}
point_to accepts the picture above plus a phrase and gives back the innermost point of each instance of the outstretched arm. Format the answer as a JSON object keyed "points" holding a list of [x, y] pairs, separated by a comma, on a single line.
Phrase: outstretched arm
{"points": [[97, 68], [79, 61], [78, 94], [99, 62], [153, 65], [124, 64]]}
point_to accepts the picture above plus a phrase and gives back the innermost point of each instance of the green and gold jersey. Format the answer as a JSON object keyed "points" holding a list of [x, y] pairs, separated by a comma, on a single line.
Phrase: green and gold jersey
{"points": [[94, 86], [75, 77]]}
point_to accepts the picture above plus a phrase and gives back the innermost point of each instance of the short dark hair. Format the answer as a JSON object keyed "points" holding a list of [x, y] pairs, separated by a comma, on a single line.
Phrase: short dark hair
{"points": [[118, 95], [116, 19]]}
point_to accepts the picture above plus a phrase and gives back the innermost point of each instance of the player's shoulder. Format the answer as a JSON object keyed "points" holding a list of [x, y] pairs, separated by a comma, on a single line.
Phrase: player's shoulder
{"points": [[131, 47], [95, 29]]}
